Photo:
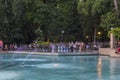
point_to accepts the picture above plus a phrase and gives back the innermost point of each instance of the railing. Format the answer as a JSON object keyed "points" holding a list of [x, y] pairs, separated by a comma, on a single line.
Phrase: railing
{"points": [[56, 47]]}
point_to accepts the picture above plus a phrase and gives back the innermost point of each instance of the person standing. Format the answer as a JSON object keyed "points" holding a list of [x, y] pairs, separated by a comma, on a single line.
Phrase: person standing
{"points": [[1, 44]]}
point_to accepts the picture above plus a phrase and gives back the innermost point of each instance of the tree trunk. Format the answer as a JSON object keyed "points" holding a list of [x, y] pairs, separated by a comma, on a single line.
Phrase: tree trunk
{"points": [[116, 7]]}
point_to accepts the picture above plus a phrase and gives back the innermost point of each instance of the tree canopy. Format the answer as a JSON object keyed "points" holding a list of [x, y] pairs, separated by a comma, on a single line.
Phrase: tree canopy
{"points": [[23, 21]]}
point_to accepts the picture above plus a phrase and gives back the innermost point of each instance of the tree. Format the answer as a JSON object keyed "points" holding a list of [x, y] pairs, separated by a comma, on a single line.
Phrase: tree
{"points": [[95, 14], [71, 20], [48, 18], [115, 32], [28, 20]]}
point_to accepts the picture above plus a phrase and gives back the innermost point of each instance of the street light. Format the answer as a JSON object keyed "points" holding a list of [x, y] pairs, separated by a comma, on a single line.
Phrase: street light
{"points": [[111, 28], [99, 33], [87, 37], [62, 34]]}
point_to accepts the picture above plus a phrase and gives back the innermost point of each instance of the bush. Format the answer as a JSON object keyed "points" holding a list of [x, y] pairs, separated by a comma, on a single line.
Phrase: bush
{"points": [[44, 43]]}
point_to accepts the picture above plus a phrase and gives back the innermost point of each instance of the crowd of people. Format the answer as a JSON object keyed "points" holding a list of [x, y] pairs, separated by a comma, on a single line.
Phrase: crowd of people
{"points": [[68, 47], [52, 47]]}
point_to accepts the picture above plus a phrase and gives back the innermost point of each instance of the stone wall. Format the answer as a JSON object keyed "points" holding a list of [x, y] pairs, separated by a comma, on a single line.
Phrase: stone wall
{"points": [[106, 51]]}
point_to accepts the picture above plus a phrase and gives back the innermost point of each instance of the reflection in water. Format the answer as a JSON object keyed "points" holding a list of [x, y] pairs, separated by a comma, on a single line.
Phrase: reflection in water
{"points": [[99, 68], [112, 64], [114, 67]]}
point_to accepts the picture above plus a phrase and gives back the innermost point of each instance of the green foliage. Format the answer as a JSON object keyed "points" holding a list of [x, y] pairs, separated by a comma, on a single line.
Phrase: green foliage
{"points": [[44, 43], [49, 18], [9, 31], [97, 13], [108, 20], [115, 32], [93, 7], [23, 21], [72, 26], [39, 34]]}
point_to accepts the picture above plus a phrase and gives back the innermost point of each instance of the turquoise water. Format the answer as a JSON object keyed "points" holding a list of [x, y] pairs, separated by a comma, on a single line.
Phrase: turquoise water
{"points": [[38, 67]]}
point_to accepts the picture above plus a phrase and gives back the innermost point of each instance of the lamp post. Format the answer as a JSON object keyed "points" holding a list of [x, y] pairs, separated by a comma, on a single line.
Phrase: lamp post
{"points": [[94, 40], [99, 33], [111, 39], [87, 38], [62, 35]]}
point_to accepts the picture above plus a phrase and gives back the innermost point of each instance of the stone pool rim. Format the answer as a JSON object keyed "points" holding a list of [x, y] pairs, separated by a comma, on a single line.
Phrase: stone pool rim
{"points": [[53, 54]]}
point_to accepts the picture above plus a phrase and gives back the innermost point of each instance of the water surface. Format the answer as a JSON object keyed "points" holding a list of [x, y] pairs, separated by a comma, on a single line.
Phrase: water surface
{"points": [[38, 67]]}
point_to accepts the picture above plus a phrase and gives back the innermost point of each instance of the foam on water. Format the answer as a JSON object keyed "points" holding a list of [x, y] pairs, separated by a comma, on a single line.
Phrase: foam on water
{"points": [[56, 66], [9, 75]]}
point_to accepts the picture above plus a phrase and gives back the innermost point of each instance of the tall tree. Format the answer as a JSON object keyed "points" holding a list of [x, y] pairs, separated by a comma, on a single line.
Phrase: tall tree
{"points": [[91, 11]]}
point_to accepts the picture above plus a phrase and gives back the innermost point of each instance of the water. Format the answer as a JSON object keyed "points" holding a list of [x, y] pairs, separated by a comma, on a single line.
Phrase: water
{"points": [[26, 58], [38, 67]]}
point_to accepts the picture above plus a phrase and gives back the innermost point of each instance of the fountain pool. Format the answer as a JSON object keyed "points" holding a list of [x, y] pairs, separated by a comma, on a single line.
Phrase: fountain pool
{"points": [[37, 67]]}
